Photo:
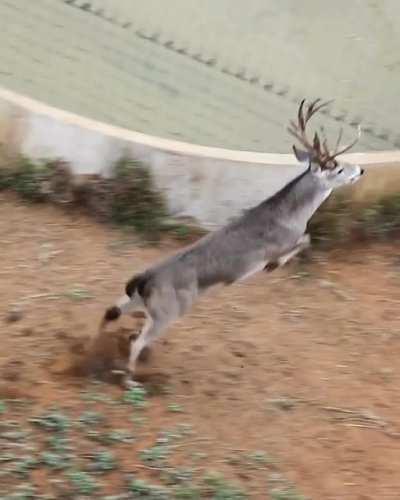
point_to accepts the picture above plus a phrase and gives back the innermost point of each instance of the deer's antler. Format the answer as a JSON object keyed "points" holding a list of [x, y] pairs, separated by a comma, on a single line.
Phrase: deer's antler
{"points": [[338, 152], [298, 130], [318, 151]]}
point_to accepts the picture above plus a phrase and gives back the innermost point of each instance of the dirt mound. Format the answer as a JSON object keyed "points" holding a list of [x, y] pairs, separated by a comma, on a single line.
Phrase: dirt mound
{"points": [[99, 357]]}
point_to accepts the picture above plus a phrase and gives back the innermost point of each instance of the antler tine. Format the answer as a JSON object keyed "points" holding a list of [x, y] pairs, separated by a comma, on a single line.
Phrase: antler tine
{"points": [[294, 130], [338, 140], [300, 115], [298, 129], [325, 143], [311, 110], [349, 146], [317, 145], [323, 104]]}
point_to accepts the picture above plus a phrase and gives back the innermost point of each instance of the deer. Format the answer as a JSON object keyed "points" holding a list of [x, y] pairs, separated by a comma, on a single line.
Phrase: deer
{"points": [[263, 238]]}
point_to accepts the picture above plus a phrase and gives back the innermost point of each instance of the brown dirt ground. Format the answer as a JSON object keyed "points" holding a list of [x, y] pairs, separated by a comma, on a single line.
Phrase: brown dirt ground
{"points": [[309, 340]]}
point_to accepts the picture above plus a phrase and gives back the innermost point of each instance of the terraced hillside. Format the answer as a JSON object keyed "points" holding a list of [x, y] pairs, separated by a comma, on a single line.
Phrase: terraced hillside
{"points": [[216, 73]]}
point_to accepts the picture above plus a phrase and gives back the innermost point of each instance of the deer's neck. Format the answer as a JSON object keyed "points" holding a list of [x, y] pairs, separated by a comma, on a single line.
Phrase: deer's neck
{"points": [[298, 200]]}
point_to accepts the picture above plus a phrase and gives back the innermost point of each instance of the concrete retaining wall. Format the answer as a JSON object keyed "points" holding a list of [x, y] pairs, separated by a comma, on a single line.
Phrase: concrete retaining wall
{"points": [[208, 184]]}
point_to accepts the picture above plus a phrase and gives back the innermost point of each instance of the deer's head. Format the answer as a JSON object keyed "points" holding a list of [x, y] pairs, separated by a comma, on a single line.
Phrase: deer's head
{"points": [[323, 161]]}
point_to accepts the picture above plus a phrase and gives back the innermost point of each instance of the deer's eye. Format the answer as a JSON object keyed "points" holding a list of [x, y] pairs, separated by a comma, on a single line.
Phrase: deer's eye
{"points": [[340, 171]]}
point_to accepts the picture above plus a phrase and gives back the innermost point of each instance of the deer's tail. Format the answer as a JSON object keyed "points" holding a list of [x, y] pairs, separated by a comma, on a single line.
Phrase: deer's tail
{"points": [[135, 286]]}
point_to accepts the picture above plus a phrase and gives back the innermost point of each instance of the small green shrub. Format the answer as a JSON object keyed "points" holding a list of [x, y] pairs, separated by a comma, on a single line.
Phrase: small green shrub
{"points": [[135, 201], [382, 218], [219, 489], [187, 492], [175, 408], [29, 179], [342, 220], [37, 181], [6, 177], [6, 169], [280, 489], [136, 396], [53, 421], [103, 461], [82, 482], [286, 493], [129, 198], [142, 489], [55, 461], [156, 455], [25, 464]]}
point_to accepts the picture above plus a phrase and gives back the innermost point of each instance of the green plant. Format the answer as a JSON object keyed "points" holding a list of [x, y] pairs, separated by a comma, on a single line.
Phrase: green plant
{"points": [[90, 418], [281, 489], [135, 201], [6, 177], [103, 461], [187, 492], [127, 198], [175, 408], [286, 493], [142, 489], [55, 461], [219, 489], [23, 492], [156, 455], [174, 476], [342, 219], [120, 436], [29, 177], [55, 421], [82, 482], [382, 218], [259, 459], [24, 465], [3, 407], [183, 232], [60, 444], [136, 397]]}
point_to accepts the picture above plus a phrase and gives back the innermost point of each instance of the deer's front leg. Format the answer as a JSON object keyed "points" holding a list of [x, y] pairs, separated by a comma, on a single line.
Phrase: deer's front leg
{"points": [[303, 243]]}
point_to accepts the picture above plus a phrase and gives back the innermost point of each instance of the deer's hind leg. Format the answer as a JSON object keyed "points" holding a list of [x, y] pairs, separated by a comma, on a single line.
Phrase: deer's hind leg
{"points": [[163, 307], [152, 329]]}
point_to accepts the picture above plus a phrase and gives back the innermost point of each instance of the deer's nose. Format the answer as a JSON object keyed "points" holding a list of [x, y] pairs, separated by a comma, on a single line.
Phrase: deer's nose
{"points": [[361, 171]]}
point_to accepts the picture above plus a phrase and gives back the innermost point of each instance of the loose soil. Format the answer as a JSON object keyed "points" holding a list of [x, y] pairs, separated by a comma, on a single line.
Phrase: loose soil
{"points": [[301, 363]]}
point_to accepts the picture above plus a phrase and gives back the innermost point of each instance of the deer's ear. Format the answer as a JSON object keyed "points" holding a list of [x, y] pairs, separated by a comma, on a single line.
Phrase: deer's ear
{"points": [[301, 156]]}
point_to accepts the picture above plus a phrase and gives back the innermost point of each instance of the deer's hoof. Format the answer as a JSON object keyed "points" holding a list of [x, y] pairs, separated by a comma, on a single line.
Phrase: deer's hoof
{"points": [[129, 383], [271, 266]]}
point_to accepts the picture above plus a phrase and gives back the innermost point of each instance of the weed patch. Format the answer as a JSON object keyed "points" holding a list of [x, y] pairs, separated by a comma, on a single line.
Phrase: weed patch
{"points": [[341, 220], [127, 198]]}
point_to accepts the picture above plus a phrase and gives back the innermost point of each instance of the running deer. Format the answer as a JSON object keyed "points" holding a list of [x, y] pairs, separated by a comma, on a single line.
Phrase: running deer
{"points": [[264, 238]]}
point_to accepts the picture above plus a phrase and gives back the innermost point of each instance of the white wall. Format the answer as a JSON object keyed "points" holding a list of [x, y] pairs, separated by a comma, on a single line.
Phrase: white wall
{"points": [[209, 184]]}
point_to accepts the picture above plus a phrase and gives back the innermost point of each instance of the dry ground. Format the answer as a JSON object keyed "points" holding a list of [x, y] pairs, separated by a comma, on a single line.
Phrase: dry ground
{"points": [[298, 368]]}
